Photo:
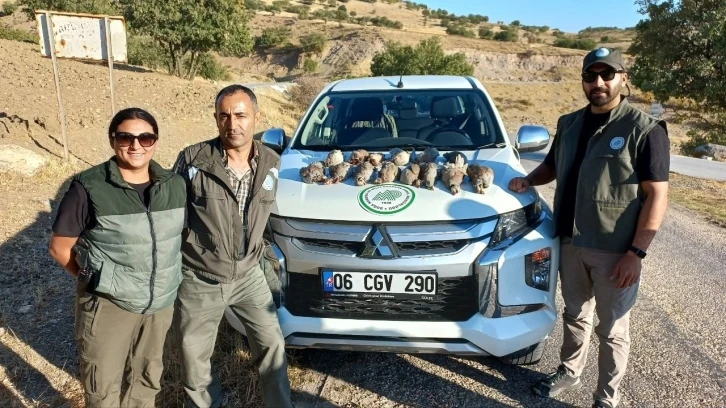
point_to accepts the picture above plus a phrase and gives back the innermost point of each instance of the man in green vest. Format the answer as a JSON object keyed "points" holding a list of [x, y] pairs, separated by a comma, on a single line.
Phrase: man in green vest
{"points": [[232, 181], [611, 163]]}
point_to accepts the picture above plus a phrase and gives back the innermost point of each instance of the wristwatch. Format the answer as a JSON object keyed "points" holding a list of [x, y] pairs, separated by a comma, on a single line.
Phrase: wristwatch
{"points": [[639, 252]]}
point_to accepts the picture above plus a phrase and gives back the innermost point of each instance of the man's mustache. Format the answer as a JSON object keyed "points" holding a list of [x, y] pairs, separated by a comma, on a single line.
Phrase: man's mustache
{"points": [[600, 89]]}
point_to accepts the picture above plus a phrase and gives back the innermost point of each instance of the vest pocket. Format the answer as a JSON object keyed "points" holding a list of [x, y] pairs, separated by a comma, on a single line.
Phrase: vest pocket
{"points": [[204, 240]]}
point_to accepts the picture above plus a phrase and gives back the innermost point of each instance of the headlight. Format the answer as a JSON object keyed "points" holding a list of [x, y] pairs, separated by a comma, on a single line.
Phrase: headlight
{"points": [[512, 223]]}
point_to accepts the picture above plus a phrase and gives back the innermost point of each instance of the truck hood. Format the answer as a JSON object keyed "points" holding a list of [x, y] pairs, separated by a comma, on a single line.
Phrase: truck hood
{"points": [[396, 202]]}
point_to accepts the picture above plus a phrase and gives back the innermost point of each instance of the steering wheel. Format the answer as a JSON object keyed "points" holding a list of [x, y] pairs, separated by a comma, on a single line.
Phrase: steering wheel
{"points": [[446, 129]]}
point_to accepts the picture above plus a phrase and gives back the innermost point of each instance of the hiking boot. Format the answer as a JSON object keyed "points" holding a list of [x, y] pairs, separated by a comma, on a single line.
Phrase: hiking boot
{"points": [[557, 382], [601, 404]]}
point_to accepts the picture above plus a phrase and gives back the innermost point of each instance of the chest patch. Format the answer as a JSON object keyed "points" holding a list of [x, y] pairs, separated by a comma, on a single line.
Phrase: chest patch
{"points": [[269, 183], [617, 143]]}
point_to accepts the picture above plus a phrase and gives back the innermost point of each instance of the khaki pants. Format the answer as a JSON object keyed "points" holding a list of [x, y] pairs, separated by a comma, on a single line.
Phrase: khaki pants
{"points": [[200, 307], [113, 342], [586, 286]]}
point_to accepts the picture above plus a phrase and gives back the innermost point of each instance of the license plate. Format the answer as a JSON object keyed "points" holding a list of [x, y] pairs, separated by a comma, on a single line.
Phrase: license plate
{"points": [[387, 285]]}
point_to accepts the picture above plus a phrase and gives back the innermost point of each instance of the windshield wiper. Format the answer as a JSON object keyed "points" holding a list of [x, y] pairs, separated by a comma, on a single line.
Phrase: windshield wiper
{"points": [[498, 145], [318, 148]]}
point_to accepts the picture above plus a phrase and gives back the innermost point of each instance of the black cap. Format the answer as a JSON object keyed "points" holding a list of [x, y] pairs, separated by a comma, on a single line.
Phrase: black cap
{"points": [[606, 56]]}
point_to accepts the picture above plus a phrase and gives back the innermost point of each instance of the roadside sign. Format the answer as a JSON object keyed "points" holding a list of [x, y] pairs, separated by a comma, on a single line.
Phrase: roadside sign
{"points": [[82, 37]]}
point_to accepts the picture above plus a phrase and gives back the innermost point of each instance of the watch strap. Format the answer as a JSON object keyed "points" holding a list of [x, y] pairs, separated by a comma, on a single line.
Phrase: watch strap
{"points": [[639, 252]]}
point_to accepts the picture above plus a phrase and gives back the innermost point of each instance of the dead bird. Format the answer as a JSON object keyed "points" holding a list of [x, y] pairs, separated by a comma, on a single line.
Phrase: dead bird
{"points": [[340, 172], [400, 157], [388, 174], [363, 174], [428, 175], [313, 173], [409, 175], [358, 156], [428, 156], [334, 157], [376, 159], [451, 156], [453, 175], [481, 177]]}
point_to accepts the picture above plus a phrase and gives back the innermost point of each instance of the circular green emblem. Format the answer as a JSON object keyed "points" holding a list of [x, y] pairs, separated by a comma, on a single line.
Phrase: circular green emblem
{"points": [[386, 199]]}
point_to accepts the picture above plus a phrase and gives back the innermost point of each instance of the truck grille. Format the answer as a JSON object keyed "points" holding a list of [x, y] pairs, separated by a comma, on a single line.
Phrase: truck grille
{"points": [[457, 301], [329, 244]]}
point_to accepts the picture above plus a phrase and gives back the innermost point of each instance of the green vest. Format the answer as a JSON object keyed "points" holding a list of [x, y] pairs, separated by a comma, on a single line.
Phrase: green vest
{"points": [[609, 196], [135, 250], [213, 244]]}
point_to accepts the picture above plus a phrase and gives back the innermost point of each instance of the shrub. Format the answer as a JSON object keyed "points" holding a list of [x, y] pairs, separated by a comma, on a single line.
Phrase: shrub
{"points": [[576, 43], [306, 89], [313, 43], [427, 58], [507, 35], [310, 65], [605, 38], [273, 37], [8, 33], [9, 8], [516, 23], [209, 67], [460, 31], [486, 33]]}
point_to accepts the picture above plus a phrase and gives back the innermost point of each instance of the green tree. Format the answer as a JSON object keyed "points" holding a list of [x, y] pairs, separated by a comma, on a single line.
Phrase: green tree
{"points": [[73, 6], [190, 28], [427, 58], [680, 52], [510, 35], [486, 33]]}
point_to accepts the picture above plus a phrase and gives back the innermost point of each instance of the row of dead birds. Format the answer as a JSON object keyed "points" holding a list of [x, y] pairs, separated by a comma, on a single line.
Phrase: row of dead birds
{"points": [[421, 170]]}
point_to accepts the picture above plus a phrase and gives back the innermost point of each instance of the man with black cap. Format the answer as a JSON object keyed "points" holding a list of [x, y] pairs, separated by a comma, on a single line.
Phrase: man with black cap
{"points": [[611, 163]]}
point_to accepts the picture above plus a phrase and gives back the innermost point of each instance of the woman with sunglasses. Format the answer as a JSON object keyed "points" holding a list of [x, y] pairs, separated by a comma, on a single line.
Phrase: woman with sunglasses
{"points": [[118, 231]]}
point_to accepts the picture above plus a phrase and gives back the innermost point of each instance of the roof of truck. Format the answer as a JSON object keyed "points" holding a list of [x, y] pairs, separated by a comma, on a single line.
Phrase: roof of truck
{"points": [[387, 83]]}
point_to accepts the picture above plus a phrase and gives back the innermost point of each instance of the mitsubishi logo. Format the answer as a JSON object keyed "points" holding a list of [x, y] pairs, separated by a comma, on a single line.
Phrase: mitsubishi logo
{"points": [[379, 244]]}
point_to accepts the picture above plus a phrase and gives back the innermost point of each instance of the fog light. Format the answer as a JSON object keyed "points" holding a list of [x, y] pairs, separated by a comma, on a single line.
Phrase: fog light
{"points": [[537, 266], [275, 273]]}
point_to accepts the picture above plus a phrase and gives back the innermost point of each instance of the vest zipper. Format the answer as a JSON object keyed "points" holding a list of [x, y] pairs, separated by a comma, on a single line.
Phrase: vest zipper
{"points": [[153, 255]]}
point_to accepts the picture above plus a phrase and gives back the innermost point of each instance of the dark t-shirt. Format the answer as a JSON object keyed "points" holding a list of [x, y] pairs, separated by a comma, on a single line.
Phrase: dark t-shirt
{"points": [[652, 165], [75, 215]]}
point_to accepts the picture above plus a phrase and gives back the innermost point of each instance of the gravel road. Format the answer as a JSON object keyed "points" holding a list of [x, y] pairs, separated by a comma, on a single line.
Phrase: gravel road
{"points": [[678, 356]]}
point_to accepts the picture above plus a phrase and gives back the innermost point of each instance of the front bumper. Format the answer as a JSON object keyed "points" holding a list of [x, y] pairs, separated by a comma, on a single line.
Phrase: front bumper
{"points": [[477, 336]]}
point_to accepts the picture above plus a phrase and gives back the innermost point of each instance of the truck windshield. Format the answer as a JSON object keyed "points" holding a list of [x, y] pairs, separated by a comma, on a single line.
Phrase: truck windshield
{"points": [[445, 119]]}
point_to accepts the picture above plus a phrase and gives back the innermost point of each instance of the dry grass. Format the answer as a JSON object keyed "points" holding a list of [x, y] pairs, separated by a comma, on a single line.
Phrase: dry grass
{"points": [[707, 197], [231, 363], [304, 93]]}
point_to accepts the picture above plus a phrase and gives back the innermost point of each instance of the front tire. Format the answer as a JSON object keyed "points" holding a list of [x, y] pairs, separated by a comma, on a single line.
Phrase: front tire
{"points": [[526, 356]]}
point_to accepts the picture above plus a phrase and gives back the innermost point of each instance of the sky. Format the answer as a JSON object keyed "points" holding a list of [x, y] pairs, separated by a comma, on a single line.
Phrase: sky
{"points": [[567, 15]]}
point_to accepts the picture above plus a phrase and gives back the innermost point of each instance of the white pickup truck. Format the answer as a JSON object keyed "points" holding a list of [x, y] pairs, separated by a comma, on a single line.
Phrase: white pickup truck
{"points": [[397, 268]]}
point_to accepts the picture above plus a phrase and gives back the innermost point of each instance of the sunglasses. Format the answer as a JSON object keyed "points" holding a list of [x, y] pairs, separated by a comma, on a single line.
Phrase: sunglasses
{"points": [[127, 139], [607, 75]]}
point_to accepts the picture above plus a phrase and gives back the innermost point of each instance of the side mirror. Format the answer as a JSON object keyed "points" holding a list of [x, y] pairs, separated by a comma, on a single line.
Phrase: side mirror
{"points": [[275, 139], [531, 138]]}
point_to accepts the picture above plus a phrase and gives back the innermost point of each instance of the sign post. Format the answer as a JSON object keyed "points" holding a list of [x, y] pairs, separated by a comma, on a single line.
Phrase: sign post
{"points": [[109, 48], [61, 109], [81, 37]]}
